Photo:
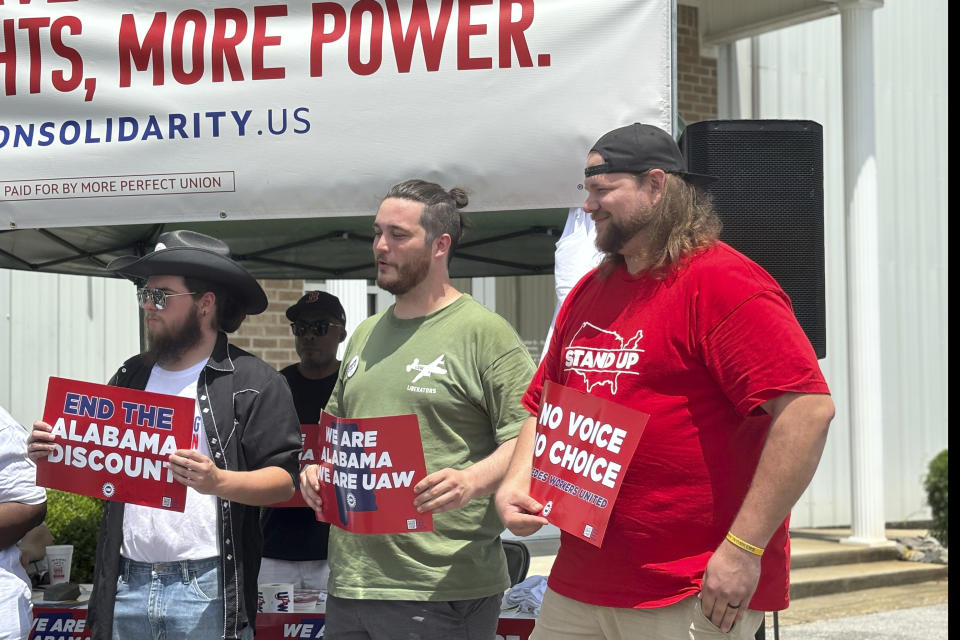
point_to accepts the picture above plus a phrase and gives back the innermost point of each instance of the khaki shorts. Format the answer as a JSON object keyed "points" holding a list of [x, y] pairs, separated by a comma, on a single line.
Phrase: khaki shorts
{"points": [[564, 619]]}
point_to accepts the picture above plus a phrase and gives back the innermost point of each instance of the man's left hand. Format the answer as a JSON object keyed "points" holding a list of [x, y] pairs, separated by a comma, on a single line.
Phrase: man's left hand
{"points": [[729, 581], [444, 490], [195, 470]]}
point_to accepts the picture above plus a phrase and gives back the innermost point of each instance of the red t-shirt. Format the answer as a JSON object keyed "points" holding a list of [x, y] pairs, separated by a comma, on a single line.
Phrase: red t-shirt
{"points": [[715, 340]]}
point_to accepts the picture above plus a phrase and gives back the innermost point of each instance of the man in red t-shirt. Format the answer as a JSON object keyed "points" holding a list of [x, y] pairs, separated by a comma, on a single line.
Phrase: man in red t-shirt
{"points": [[739, 410]]}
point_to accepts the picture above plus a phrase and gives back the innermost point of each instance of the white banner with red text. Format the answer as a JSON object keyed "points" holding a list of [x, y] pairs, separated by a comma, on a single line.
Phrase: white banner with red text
{"points": [[131, 112]]}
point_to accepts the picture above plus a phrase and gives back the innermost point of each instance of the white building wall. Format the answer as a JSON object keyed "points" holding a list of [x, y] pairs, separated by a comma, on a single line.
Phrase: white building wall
{"points": [[58, 325], [795, 73]]}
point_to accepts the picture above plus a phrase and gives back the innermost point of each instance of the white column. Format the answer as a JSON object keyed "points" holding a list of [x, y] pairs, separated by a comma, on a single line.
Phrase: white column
{"points": [[484, 291], [353, 297], [863, 283]]}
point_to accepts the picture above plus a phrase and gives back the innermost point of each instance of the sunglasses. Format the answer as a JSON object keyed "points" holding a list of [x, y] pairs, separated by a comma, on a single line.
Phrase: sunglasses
{"points": [[157, 296], [319, 327]]}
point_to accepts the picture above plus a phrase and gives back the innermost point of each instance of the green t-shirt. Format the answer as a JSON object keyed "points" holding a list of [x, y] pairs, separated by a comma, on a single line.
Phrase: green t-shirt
{"points": [[462, 370]]}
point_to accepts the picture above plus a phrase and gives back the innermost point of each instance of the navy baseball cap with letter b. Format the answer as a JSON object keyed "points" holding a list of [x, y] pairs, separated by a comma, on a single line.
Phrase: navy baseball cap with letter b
{"points": [[637, 148], [318, 301]]}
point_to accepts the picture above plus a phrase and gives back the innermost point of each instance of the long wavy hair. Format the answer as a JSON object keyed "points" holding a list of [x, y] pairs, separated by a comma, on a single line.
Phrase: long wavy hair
{"points": [[684, 222]]}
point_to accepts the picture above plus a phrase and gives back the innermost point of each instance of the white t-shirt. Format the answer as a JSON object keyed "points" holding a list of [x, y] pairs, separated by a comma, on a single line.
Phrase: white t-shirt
{"points": [[158, 535], [18, 483]]}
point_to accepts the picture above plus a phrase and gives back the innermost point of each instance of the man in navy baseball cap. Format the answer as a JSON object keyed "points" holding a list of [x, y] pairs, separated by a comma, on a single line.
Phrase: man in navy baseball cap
{"points": [[294, 543]]}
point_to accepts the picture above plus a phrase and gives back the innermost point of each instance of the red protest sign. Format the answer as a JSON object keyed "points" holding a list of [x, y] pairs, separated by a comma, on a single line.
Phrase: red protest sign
{"points": [[368, 468], [113, 443], [583, 447], [310, 454]]}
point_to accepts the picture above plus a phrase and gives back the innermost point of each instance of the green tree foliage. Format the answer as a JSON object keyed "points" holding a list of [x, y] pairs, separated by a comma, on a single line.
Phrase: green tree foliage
{"points": [[75, 519], [936, 486]]}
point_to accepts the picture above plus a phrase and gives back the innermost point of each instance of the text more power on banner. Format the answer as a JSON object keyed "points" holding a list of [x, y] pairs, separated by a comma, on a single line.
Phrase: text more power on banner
{"points": [[582, 449], [205, 109], [114, 443], [368, 468], [310, 436]]}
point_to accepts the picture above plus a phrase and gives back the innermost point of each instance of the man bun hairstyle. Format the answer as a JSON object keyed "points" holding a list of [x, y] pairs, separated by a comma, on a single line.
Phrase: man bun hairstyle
{"points": [[441, 209]]}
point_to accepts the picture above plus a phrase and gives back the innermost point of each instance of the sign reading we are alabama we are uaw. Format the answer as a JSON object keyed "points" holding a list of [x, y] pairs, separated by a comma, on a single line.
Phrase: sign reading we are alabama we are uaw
{"points": [[582, 449], [368, 468], [114, 443]]}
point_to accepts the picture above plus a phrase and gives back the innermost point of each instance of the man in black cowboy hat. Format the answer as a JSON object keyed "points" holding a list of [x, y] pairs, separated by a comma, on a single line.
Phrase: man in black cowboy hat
{"points": [[194, 574], [294, 542], [704, 341]]}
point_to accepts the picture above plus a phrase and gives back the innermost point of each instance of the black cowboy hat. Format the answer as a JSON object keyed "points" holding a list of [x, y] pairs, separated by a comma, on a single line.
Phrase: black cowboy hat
{"points": [[195, 255]]}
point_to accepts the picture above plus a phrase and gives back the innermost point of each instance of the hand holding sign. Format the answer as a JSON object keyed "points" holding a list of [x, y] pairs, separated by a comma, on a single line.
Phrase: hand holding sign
{"points": [[40, 442], [195, 470], [310, 487], [444, 490], [517, 509]]}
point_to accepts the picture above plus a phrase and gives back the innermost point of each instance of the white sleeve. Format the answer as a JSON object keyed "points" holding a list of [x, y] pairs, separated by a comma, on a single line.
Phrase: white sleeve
{"points": [[18, 474]]}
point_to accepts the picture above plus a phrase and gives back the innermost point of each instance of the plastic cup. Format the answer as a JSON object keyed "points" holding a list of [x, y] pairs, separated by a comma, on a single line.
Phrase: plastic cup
{"points": [[305, 599], [275, 597], [59, 559]]}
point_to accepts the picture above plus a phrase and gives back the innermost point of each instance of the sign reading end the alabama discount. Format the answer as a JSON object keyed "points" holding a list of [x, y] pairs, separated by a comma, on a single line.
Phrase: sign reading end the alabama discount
{"points": [[113, 443], [583, 447]]}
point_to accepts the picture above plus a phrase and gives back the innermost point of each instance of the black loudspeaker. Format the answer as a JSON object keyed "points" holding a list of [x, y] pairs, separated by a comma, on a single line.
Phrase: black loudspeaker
{"points": [[770, 198]]}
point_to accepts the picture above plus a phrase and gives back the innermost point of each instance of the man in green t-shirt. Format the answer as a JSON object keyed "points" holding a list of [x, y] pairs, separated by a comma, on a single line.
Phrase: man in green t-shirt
{"points": [[462, 370]]}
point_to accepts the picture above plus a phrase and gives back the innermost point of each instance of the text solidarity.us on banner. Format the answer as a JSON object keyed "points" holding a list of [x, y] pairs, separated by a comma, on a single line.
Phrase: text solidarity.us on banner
{"points": [[189, 111]]}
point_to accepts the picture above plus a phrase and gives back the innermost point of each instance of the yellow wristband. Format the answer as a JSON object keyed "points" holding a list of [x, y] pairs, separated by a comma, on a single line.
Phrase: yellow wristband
{"points": [[743, 544]]}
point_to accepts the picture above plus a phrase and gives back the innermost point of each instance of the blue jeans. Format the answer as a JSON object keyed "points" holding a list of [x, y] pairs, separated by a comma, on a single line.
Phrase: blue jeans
{"points": [[169, 601]]}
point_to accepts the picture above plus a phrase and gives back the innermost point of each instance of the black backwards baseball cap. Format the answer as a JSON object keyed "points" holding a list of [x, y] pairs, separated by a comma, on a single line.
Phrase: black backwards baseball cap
{"points": [[318, 301], [637, 148]]}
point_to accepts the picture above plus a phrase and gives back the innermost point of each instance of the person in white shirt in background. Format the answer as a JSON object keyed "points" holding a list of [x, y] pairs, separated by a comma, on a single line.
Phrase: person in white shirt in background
{"points": [[575, 255], [23, 506]]}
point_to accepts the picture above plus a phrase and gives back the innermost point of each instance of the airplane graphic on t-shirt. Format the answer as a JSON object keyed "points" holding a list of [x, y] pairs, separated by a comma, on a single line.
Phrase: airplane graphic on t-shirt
{"points": [[425, 370], [600, 356]]}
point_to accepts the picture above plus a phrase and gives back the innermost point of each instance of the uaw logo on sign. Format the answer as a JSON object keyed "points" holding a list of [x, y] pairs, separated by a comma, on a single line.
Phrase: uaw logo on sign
{"points": [[600, 356], [282, 604]]}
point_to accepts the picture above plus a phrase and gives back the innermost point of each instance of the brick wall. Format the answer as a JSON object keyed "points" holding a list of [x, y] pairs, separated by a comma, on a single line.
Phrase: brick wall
{"points": [[696, 73], [267, 335]]}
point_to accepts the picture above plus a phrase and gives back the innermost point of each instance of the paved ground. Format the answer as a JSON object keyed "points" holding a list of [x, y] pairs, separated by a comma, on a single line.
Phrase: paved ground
{"points": [[860, 603], [917, 623]]}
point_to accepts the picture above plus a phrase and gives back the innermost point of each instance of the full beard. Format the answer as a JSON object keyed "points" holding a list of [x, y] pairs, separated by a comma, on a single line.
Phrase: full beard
{"points": [[615, 235], [408, 276], [171, 345]]}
